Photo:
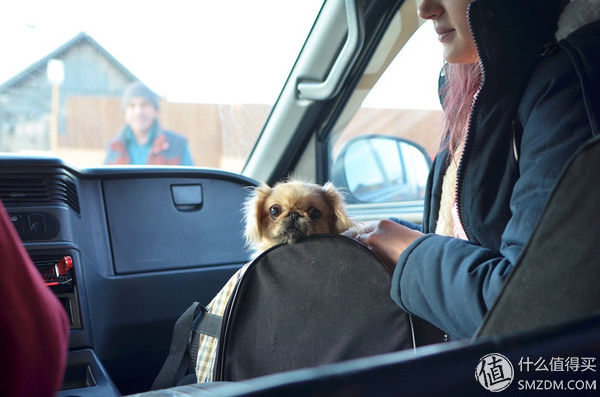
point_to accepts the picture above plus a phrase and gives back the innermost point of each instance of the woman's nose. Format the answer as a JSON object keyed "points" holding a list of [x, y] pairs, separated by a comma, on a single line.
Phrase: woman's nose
{"points": [[430, 9]]}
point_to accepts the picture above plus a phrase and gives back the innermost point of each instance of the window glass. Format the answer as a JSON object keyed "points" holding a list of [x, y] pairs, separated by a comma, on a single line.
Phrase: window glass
{"points": [[383, 154], [217, 68]]}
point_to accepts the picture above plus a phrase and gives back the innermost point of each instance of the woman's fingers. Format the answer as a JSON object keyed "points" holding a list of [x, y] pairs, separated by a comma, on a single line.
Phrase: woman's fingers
{"points": [[360, 229], [388, 240]]}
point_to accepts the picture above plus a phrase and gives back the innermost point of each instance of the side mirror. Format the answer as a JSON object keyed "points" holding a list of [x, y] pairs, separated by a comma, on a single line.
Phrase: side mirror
{"points": [[381, 169]]}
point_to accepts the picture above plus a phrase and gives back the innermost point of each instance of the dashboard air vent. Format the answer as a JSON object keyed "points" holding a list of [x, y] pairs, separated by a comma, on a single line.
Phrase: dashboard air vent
{"points": [[33, 189]]}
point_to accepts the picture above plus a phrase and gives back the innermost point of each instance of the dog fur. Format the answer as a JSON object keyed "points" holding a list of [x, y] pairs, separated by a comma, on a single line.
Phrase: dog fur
{"points": [[291, 211]]}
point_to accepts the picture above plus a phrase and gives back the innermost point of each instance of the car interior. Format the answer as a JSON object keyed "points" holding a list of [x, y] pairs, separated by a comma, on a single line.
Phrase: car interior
{"points": [[144, 242]]}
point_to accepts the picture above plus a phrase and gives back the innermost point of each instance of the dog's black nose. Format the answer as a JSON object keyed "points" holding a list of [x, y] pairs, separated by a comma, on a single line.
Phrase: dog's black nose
{"points": [[294, 215]]}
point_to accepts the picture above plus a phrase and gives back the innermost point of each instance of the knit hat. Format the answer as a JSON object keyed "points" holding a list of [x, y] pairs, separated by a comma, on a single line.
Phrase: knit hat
{"points": [[137, 89]]}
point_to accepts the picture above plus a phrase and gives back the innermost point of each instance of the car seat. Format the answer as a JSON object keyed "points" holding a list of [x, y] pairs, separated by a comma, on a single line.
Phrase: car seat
{"points": [[557, 277]]}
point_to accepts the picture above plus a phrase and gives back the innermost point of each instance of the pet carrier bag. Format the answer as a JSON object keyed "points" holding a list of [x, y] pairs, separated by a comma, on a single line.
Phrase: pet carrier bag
{"points": [[322, 300]]}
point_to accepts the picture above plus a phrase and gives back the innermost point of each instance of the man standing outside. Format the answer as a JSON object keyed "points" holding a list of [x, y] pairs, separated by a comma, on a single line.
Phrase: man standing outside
{"points": [[142, 140]]}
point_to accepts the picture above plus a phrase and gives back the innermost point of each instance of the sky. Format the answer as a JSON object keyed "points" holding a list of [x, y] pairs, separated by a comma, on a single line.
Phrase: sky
{"points": [[199, 51]]}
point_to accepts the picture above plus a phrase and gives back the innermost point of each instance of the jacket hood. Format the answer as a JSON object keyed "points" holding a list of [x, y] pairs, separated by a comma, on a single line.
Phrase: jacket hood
{"points": [[512, 33], [576, 14]]}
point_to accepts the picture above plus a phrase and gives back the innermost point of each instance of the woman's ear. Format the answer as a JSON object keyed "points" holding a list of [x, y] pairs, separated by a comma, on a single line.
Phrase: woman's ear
{"points": [[254, 214], [343, 222]]}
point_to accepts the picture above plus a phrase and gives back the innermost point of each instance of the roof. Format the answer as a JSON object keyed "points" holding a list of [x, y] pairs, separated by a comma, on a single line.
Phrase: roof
{"points": [[41, 64]]}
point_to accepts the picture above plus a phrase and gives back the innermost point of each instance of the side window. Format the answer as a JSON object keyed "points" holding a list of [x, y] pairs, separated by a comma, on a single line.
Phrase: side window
{"points": [[384, 153]]}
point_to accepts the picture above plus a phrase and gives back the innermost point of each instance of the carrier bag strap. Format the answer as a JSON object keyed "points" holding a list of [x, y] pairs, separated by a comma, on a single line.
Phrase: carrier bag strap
{"points": [[179, 345], [207, 325]]}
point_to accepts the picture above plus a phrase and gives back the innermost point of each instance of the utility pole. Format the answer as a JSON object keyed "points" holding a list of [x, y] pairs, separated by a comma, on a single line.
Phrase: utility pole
{"points": [[56, 75]]}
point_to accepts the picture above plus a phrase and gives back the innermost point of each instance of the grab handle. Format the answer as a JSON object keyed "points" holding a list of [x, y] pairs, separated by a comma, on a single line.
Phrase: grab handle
{"points": [[354, 41]]}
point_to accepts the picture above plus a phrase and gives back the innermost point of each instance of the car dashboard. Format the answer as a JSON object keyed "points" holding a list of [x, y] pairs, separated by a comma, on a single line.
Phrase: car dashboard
{"points": [[125, 250]]}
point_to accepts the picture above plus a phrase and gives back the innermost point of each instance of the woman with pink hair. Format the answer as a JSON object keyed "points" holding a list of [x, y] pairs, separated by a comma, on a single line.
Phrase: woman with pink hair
{"points": [[521, 93]]}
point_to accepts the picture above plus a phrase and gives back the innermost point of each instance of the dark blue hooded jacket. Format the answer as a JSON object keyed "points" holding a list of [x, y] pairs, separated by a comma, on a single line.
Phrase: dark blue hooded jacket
{"points": [[539, 102]]}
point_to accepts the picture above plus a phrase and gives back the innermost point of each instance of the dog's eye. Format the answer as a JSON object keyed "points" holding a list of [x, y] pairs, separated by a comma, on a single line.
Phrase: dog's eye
{"points": [[314, 213], [275, 211]]}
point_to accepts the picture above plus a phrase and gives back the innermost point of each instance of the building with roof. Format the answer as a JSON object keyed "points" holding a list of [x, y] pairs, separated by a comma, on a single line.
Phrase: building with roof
{"points": [[26, 99]]}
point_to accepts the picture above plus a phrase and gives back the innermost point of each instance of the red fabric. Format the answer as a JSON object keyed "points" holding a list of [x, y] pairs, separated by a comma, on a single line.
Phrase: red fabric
{"points": [[156, 156], [34, 329], [123, 157]]}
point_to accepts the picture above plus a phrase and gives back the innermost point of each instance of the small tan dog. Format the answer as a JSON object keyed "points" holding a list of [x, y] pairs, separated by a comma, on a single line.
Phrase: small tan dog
{"points": [[291, 211]]}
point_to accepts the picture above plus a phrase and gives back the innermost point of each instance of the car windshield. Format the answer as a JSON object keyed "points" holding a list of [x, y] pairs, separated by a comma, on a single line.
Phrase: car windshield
{"points": [[210, 71]]}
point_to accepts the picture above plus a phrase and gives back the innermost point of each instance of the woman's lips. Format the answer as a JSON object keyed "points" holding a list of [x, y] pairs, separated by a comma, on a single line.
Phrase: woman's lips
{"points": [[444, 35]]}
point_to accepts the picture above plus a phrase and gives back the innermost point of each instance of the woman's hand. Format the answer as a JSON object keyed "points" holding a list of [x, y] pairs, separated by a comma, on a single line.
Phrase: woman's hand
{"points": [[388, 240]]}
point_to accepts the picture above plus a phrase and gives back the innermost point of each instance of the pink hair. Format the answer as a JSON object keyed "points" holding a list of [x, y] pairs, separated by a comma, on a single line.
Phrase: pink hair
{"points": [[458, 93]]}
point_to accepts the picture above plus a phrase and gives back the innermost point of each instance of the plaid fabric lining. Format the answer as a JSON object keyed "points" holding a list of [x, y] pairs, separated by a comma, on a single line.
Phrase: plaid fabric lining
{"points": [[207, 346]]}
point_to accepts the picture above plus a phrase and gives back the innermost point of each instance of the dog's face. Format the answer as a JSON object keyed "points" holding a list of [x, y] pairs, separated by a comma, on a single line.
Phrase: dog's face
{"points": [[291, 211]]}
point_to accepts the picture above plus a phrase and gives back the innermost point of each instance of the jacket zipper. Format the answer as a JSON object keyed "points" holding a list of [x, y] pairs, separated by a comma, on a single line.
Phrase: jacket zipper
{"points": [[466, 148]]}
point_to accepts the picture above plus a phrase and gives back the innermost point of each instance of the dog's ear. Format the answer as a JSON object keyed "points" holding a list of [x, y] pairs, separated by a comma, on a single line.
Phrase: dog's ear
{"points": [[253, 214], [343, 222]]}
